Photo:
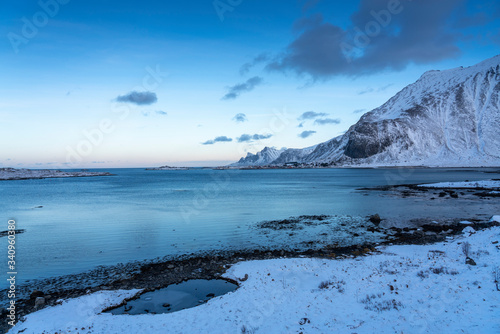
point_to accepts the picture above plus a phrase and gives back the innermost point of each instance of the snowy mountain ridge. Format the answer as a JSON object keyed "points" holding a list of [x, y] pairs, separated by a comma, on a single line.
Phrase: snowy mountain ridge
{"points": [[446, 118]]}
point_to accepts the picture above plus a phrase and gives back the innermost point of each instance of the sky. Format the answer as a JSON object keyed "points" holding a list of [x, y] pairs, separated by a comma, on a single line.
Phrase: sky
{"points": [[101, 84]]}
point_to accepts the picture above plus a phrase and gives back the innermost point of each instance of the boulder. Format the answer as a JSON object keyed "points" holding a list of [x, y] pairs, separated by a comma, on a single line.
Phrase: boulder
{"points": [[39, 303], [375, 219]]}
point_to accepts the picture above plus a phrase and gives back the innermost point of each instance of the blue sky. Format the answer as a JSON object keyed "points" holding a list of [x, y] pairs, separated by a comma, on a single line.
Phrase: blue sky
{"points": [[131, 84]]}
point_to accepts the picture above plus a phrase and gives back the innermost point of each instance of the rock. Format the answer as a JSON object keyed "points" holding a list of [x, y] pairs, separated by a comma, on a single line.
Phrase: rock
{"points": [[166, 305], [39, 302], [211, 295], [304, 321], [128, 308], [468, 230], [470, 261], [419, 233], [442, 194], [375, 219], [171, 266], [244, 278], [36, 294]]}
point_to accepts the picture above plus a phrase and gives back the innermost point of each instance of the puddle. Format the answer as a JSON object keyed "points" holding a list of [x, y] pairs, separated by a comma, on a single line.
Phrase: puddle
{"points": [[175, 297]]}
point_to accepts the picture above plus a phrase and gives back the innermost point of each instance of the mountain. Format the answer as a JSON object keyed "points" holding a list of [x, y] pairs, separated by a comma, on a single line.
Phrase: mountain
{"points": [[445, 118], [262, 158]]}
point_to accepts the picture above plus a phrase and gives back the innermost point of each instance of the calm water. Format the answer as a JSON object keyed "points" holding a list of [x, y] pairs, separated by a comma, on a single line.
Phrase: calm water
{"points": [[138, 214]]}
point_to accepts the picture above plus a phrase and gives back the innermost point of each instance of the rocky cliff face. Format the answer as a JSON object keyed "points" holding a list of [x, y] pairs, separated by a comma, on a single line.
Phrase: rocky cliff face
{"points": [[446, 118], [262, 158]]}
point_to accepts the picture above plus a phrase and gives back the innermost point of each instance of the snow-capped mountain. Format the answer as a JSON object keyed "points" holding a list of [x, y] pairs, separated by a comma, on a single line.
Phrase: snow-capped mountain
{"points": [[262, 158], [446, 118]]}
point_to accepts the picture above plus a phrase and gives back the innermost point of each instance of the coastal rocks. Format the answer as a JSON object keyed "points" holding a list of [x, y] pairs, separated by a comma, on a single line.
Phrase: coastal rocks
{"points": [[35, 294], [39, 303], [375, 219], [470, 261], [6, 233]]}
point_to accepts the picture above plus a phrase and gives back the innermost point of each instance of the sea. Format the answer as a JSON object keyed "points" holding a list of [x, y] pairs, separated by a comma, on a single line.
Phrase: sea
{"points": [[72, 225]]}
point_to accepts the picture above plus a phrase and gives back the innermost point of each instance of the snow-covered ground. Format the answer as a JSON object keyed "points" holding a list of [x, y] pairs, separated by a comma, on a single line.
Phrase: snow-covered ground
{"points": [[21, 174], [487, 184], [402, 289]]}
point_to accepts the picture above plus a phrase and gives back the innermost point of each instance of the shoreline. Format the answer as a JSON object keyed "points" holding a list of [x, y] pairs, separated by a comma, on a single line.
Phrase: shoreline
{"points": [[13, 174], [152, 276]]}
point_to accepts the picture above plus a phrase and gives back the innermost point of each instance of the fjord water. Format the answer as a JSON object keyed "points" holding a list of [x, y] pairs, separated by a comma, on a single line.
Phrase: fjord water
{"points": [[138, 214]]}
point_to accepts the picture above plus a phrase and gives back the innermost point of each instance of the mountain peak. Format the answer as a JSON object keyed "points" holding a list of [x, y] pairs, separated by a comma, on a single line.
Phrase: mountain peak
{"points": [[445, 118]]}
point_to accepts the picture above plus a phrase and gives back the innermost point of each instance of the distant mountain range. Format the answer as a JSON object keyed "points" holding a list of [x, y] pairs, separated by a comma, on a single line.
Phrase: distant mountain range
{"points": [[446, 118]]}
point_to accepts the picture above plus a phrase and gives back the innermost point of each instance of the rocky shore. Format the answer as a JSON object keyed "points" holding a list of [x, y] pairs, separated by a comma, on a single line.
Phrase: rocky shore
{"points": [[25, 174], [154, 275]]}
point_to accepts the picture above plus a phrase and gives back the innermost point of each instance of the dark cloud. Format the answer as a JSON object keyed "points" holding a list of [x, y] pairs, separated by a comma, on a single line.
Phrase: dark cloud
{"points": [[139, 98], [325, 121], [381, 37], [306, 134], [311, 115], [357, 111], [309, 4], [247, 86], [248, 138], [307, 22], [217, 140], [245, 68], [239, 118], [160, 112]]}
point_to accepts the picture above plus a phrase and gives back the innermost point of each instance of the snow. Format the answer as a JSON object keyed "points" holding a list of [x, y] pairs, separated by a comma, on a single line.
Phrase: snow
{"points": [[495, 219], [445, 119], [468, 230], [401, 289], [488, 184]]}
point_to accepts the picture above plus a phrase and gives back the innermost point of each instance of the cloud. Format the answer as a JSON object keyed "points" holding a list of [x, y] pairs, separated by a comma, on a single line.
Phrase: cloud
{"points": [[247, 86], [366, 91], [325, 121], [160, 112], [383, 88], [306, 134], [217, 140], [240, 118], [375, 40], [245, 68], [139, 98], [311, 115], [248, 138], [357, 111], [301, 125], [378, 90]]}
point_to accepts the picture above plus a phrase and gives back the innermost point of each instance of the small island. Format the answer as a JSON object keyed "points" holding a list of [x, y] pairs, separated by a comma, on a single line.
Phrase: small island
{"points": [[25, 174], [168, 168]]}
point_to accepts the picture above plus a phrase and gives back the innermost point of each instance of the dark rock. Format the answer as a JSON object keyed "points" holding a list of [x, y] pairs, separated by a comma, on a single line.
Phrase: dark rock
{"points": [[375, 219], [304, 321], [470, 261], [442, 194], [36, 294], [211, 295]]}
